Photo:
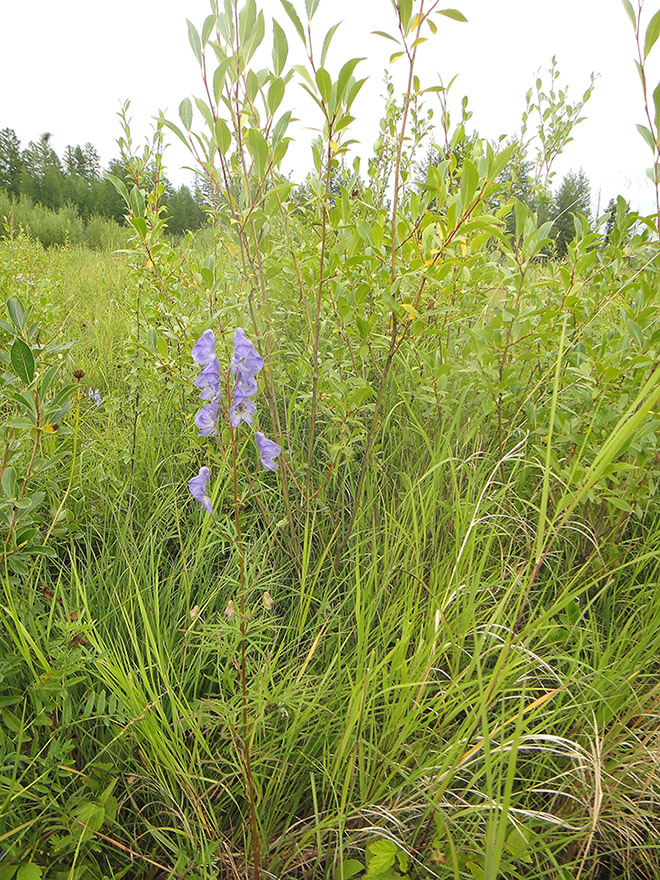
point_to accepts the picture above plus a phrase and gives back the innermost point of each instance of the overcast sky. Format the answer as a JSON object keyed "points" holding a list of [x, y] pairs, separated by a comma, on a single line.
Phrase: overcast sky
{"points": [[66, 66]]}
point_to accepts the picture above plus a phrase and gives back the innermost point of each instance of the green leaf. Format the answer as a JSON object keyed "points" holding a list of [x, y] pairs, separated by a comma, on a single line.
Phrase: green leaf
{"points": [[9, 482], [452, 13], [29, 871], [209, 24], [275, 94], [324, 83], [386, 36], [186, 113], [22, 360], [405, 11], [344, 76], [469, 182], [656, 103], [326, 42], [16, 312], [630, 12], [652, 33], [348, 868], [280, 48], [195, 41], [293, 15], [311, 6], [646, 134], [258, 147], [363, 326]]}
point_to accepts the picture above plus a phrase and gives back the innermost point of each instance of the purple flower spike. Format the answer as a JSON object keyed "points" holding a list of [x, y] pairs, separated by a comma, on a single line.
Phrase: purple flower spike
{"points": [[246, 361], [197, 486], [207, 419], [203, 350], [242, 409], [203, 353], [268, 451]]}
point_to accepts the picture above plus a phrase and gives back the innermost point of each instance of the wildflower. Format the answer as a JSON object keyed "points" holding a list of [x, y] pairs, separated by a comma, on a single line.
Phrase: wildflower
{"points": [[246, 361], [95, 396], [207, 419], [268, 451], [242, 408], [197, 486], [203, 353]]}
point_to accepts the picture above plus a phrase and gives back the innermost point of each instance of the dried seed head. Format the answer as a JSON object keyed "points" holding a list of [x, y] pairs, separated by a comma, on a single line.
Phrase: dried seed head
{"points": [[267, 599], [195, 611], [78, 374], [230, 611]]}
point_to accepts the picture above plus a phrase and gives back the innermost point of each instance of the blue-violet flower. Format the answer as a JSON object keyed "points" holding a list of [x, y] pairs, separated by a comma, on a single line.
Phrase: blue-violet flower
{"points": [[246, 361], [197, 486], [268, 451], [207, 419], [242, 408]]}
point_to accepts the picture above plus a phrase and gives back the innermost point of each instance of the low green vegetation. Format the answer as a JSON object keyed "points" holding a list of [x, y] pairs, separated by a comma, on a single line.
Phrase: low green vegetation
{"points": [[426, 644]]}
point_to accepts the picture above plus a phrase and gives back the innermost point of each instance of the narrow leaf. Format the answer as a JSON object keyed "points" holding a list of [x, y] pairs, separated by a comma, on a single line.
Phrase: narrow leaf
{"points": [[452, 13], [326, 42], [656, 102], [311, 6], [387, 36], [195, 40], [630, 12], [293, 15], [646, 134]]}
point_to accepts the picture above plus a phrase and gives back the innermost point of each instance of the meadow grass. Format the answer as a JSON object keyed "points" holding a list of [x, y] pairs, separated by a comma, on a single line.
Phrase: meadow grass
{"points": [[453, 695]]}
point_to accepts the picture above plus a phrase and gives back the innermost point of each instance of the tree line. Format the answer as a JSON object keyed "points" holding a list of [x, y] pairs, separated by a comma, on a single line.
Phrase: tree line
{"points": [[37, 173]]}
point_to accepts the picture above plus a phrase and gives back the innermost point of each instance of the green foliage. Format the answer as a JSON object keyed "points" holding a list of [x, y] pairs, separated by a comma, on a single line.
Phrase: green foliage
{"points": [[446, 661]]}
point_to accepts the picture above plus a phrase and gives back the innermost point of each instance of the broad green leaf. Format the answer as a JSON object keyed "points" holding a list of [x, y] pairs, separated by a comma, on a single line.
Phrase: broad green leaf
{"points": [[22, 360], [275, 94], [9, 482], [326, 42], [652, 33], [195, 41], [280, 127], [280, 48], [452, 13], [186, 113], [324, 83], [29, 871], [16, 312], [255, 38], [247, 19], [363, 326], [293, 15], [630, 12], [222, 135]]}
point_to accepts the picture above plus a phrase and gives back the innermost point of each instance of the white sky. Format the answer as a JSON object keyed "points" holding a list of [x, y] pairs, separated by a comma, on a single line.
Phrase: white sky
{"points": [[64, 67]]}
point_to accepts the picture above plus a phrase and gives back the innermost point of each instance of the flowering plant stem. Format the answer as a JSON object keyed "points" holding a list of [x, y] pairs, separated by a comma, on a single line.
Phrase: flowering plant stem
{"points": [[249, 781]]}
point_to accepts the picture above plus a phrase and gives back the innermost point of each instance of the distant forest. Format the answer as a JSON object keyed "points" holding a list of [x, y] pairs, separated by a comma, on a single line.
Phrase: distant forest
{"points": [[36, 173]]}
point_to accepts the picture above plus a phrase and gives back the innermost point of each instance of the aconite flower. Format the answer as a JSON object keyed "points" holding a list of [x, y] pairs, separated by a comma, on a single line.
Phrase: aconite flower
{"points": [[207, 419], [246, 361], [204, 354], [242, 408], [198, 485], [95, 396], [268, 451]]}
